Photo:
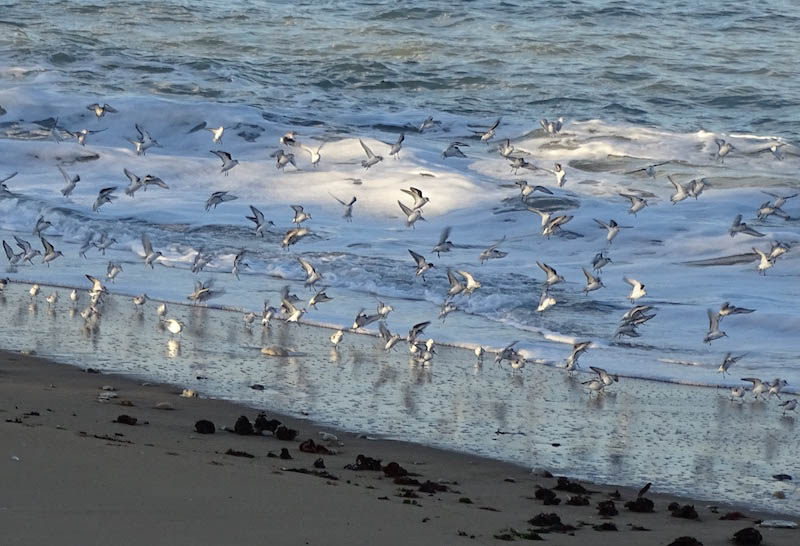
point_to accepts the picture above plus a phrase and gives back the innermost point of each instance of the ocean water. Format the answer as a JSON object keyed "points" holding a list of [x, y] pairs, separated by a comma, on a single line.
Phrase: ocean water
{"points": [[637, 83]]}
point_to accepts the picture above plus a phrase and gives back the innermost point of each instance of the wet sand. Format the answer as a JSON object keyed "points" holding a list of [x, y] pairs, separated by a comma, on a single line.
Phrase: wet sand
{"points": [[71, 475]]}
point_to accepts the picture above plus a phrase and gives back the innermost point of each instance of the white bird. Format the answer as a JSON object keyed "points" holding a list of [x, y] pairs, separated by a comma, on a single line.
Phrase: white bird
{"points": [[789, 405], [765, 262], [337, 337], [453, 150], [592, 282], [737, 393], [73, 296], [216, 133], [372, 159], [578, 349], [258, 219], [552, 275], [348, 207], [559, 173], [472, 285], [419, 199], [103, 197], [422, 265], [82, 134], [526, 189], [728, 309], [50, 253], [136, 183], [479, 352], [312, 276], [444, 244], [150, 257], [384, 309], [139, 301], [728, 361], [713, 328], [397, 146], [174, 326], [34, 290], [71, 182], [112, 270], [759, 387], [637, 203], [319, 297], [52, 299], [161, 310], [446, 308], [412, 215], [101, 111], [315, 156], [637, 291], [293, 236], [723, 149], [546, 301], [300, 215], [681, 192], [293, 314], [389, 339], [227, 161]]}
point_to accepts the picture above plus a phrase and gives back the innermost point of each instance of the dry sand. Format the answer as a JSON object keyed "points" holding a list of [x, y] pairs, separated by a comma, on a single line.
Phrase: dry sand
{"points": [[70, 475]]}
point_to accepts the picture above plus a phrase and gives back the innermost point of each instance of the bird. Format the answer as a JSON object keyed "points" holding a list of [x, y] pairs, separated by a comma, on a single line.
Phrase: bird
{"points": [[594, 385], [150, 256], [83, 133], [50, 253], [446, 308], [472, 285], [728, 309], [336, 337], [487, 135], [139, 301], [384, 309], [412, 215], [227, 161], [546, 301], [552, 275], [174, 326], [559, 173], [525, 189], [136, 183], [3, 283], [103, 197], [104, 243], [293, 314], [723, 149], [389, 339], [238, 264], [71, 182], [637, 203], [422, 265], [315, 156], [73, 297], [144, 141], [34, 290], [28, 252], [372, 159], [612, 228], [728, 361], [697, 186], [759, 387], [775, 387], [216, 133], [3, 187], [101, 111], [599, 261], [300, 215], [312, 276], [479, 352], [456, 286], [348, 207], [713, 328], [604, 376], [453, 150], [161, 310], [293, 236], [737, 393], [362, 319], [506, 353], [492, 253], [258, 219], [637, 290], [552, 128], [150, 180], [52, 299], [765, 262], [578, 349], [788, 405], [740, 227], [319, 297], [395, 150], [219, 197], [204, 291], [592, 282], [780, 200], [681, 192], [41, 225], [419, 199], [650, 169], [282, 159], [289, 139], [444, 244]]}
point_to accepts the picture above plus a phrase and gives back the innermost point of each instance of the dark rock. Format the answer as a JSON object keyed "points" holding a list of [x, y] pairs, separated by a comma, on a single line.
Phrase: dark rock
{"points": [[578, 500], [365, 463], [243, 426], [607, 508], [571, 487], [685, 541], [257, 387], [547, 496], [545, 520], [310, 447], [782, 477], [641, 505], [286, 434], [406, 480], [235, 453], [261, 423], [204, 426], [432, 487], [749, 536], [615, 495], [733, 516], [319, 463], [686, 511], [319, 473], [673, 506], [126, 420], [407, 494], [91, 370], [465, 500], [284, 454], [607, 526], [394, 470], [271, 425], [271, 455]]}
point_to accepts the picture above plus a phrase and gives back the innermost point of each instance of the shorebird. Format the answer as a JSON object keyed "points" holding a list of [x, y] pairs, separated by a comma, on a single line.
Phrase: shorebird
{"points": [[362, 319], [559, 173], [491, 252], [336, 338], [713, 328], [780, 200], [412, 215], [416, 330], [552, 128], [150, 180], [41, 225], [778, 249], [759, 387], [104, 243], [258, 219], [372, 159], [139, 301], [506, 354], [594, 385], [765, 262], [728, 361], [506, 149], [612, 228], [605, 377], [789, 405], [384, 309], [150, 257], [526, 189], [419, 199], [105, 196], [546, 301], [101, 111], [348, 207], [73, 297], [3, 283], [737, 393], [50, 253], [740, 227], [552, 276], [681, 192], [238, 264], [517, 163], [227, 161], [427, 124], [52, 299], [389, 339], [599, 261], [81, 135], [728, 309], [161, 310], [135, 185], [650, 169], [775, 387], [397, 146], [312, 276], [319, 297], [282, 159], [487, 135], [453, 150], [315, 156], [216, 133], [592, 282], [697, 186], [767, 209], [422, 265], [97, 286], [293, 314], [472, 285], [200, 261], [446, 308], [144, 142], [174, 326], [444, 244], [3, 187], [28, 252], [723, 149], [293, 236], [203, 291], [578, 349], [34, 290], [637, 290], [218, 197], [70, 181], [300, 215], [456, 286], [13, 259], [637, 203]]}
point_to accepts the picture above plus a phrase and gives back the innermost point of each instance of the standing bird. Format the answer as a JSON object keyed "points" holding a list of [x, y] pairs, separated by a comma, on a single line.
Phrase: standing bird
{"points": [[174, 326], [372, 159]]}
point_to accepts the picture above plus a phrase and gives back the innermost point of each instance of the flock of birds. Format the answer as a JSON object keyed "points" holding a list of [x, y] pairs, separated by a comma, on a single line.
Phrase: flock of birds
{"points": [[462, 283]]}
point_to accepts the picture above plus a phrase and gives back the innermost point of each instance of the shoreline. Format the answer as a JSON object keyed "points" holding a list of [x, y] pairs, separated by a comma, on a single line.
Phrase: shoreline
{"points": [[145, 483]]}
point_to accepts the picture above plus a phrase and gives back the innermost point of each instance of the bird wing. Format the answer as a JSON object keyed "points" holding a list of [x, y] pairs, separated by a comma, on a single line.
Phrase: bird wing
{"points": [[132, 177], [224, 156], [258, 216], [444, 235], [148, 248], [495, 125], [589, 277], [386, 335], [108, 108], [48, 248], [632, 282], [470, 278], [307, 267], [369, 153], [342, 202], [8, 249], [602, 224], [417, 258], [297, 208], [407, 211], [713, 320], [23, 244], [546, 268]]}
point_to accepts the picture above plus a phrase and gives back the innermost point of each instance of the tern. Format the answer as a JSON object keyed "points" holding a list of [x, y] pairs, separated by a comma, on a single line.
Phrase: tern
{"points": [[315, 156], [637, 290], [319, 297], [453, 150], [552, 276], [419, 199], [312, 276], [681, 192], [372, 159], [103, 197], [71, 182], [300, 215], [713, 328], [227, 161], [740, 227], [50, 253], [491, 252], [101, 111], [238, 264], [546, 301], [552, 128], [487, 135], [258, 219], [112, 270], [637, 203], [282, 159], [592, 282], [759, 387], [765, 262], [723, 149], [422, 265], [28, 252], [218, 197], [150, 257], [650, 169], [526, 190], [395, 151], [412, 215], [348, 207], [293, 236], [444, 244]]}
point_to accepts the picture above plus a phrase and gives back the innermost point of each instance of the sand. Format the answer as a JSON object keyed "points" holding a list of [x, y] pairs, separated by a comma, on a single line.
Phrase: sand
{"points": [[71, 475]]}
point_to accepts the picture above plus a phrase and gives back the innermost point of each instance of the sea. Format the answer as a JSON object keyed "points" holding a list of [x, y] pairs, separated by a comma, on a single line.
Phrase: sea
{"points": [[637, 84]]}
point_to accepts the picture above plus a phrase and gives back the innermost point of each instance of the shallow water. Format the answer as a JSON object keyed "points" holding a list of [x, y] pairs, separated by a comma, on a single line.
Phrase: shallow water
{"points": [[689, 440]]}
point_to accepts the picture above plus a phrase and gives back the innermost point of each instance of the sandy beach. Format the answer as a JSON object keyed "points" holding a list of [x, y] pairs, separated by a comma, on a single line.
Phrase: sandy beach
{"points": [[72, 475]]}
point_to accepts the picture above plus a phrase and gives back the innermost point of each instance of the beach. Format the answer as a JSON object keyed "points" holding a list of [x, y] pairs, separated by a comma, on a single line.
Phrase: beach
{"points": [[72, 475]]}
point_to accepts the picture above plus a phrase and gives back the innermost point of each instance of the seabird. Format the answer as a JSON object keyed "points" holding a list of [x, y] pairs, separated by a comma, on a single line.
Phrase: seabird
{"points": [[282, 159], [696, 187], [578, 349], [506, 354], [728, 361], [104, 243], [723, 149], [489, 134], [227, 161], [681, 192], [52, 299], [135, 185], [759, 387], [422, 265], [599, 261], [728, 309], [28, 252], [546, 301], [605, 377], [789, 405], [41, 225], [713, 328], [336, 337], [112, 270], [765, 262], [238, 264], [315, 157], [559, 173], [71, 182], [456, 286], [390, 340], [472, 285], [740, 227], [427, 124], [525, 189], [218, 197], [737, 393], [372, 159], [216, 133], [103, 197], [139, 301], [258, 219], [150, 180], [319, 297], [101, 111], [444, 244], [594, 385], [552, 128], [348, 207], [289, 139], [775, 387]]}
